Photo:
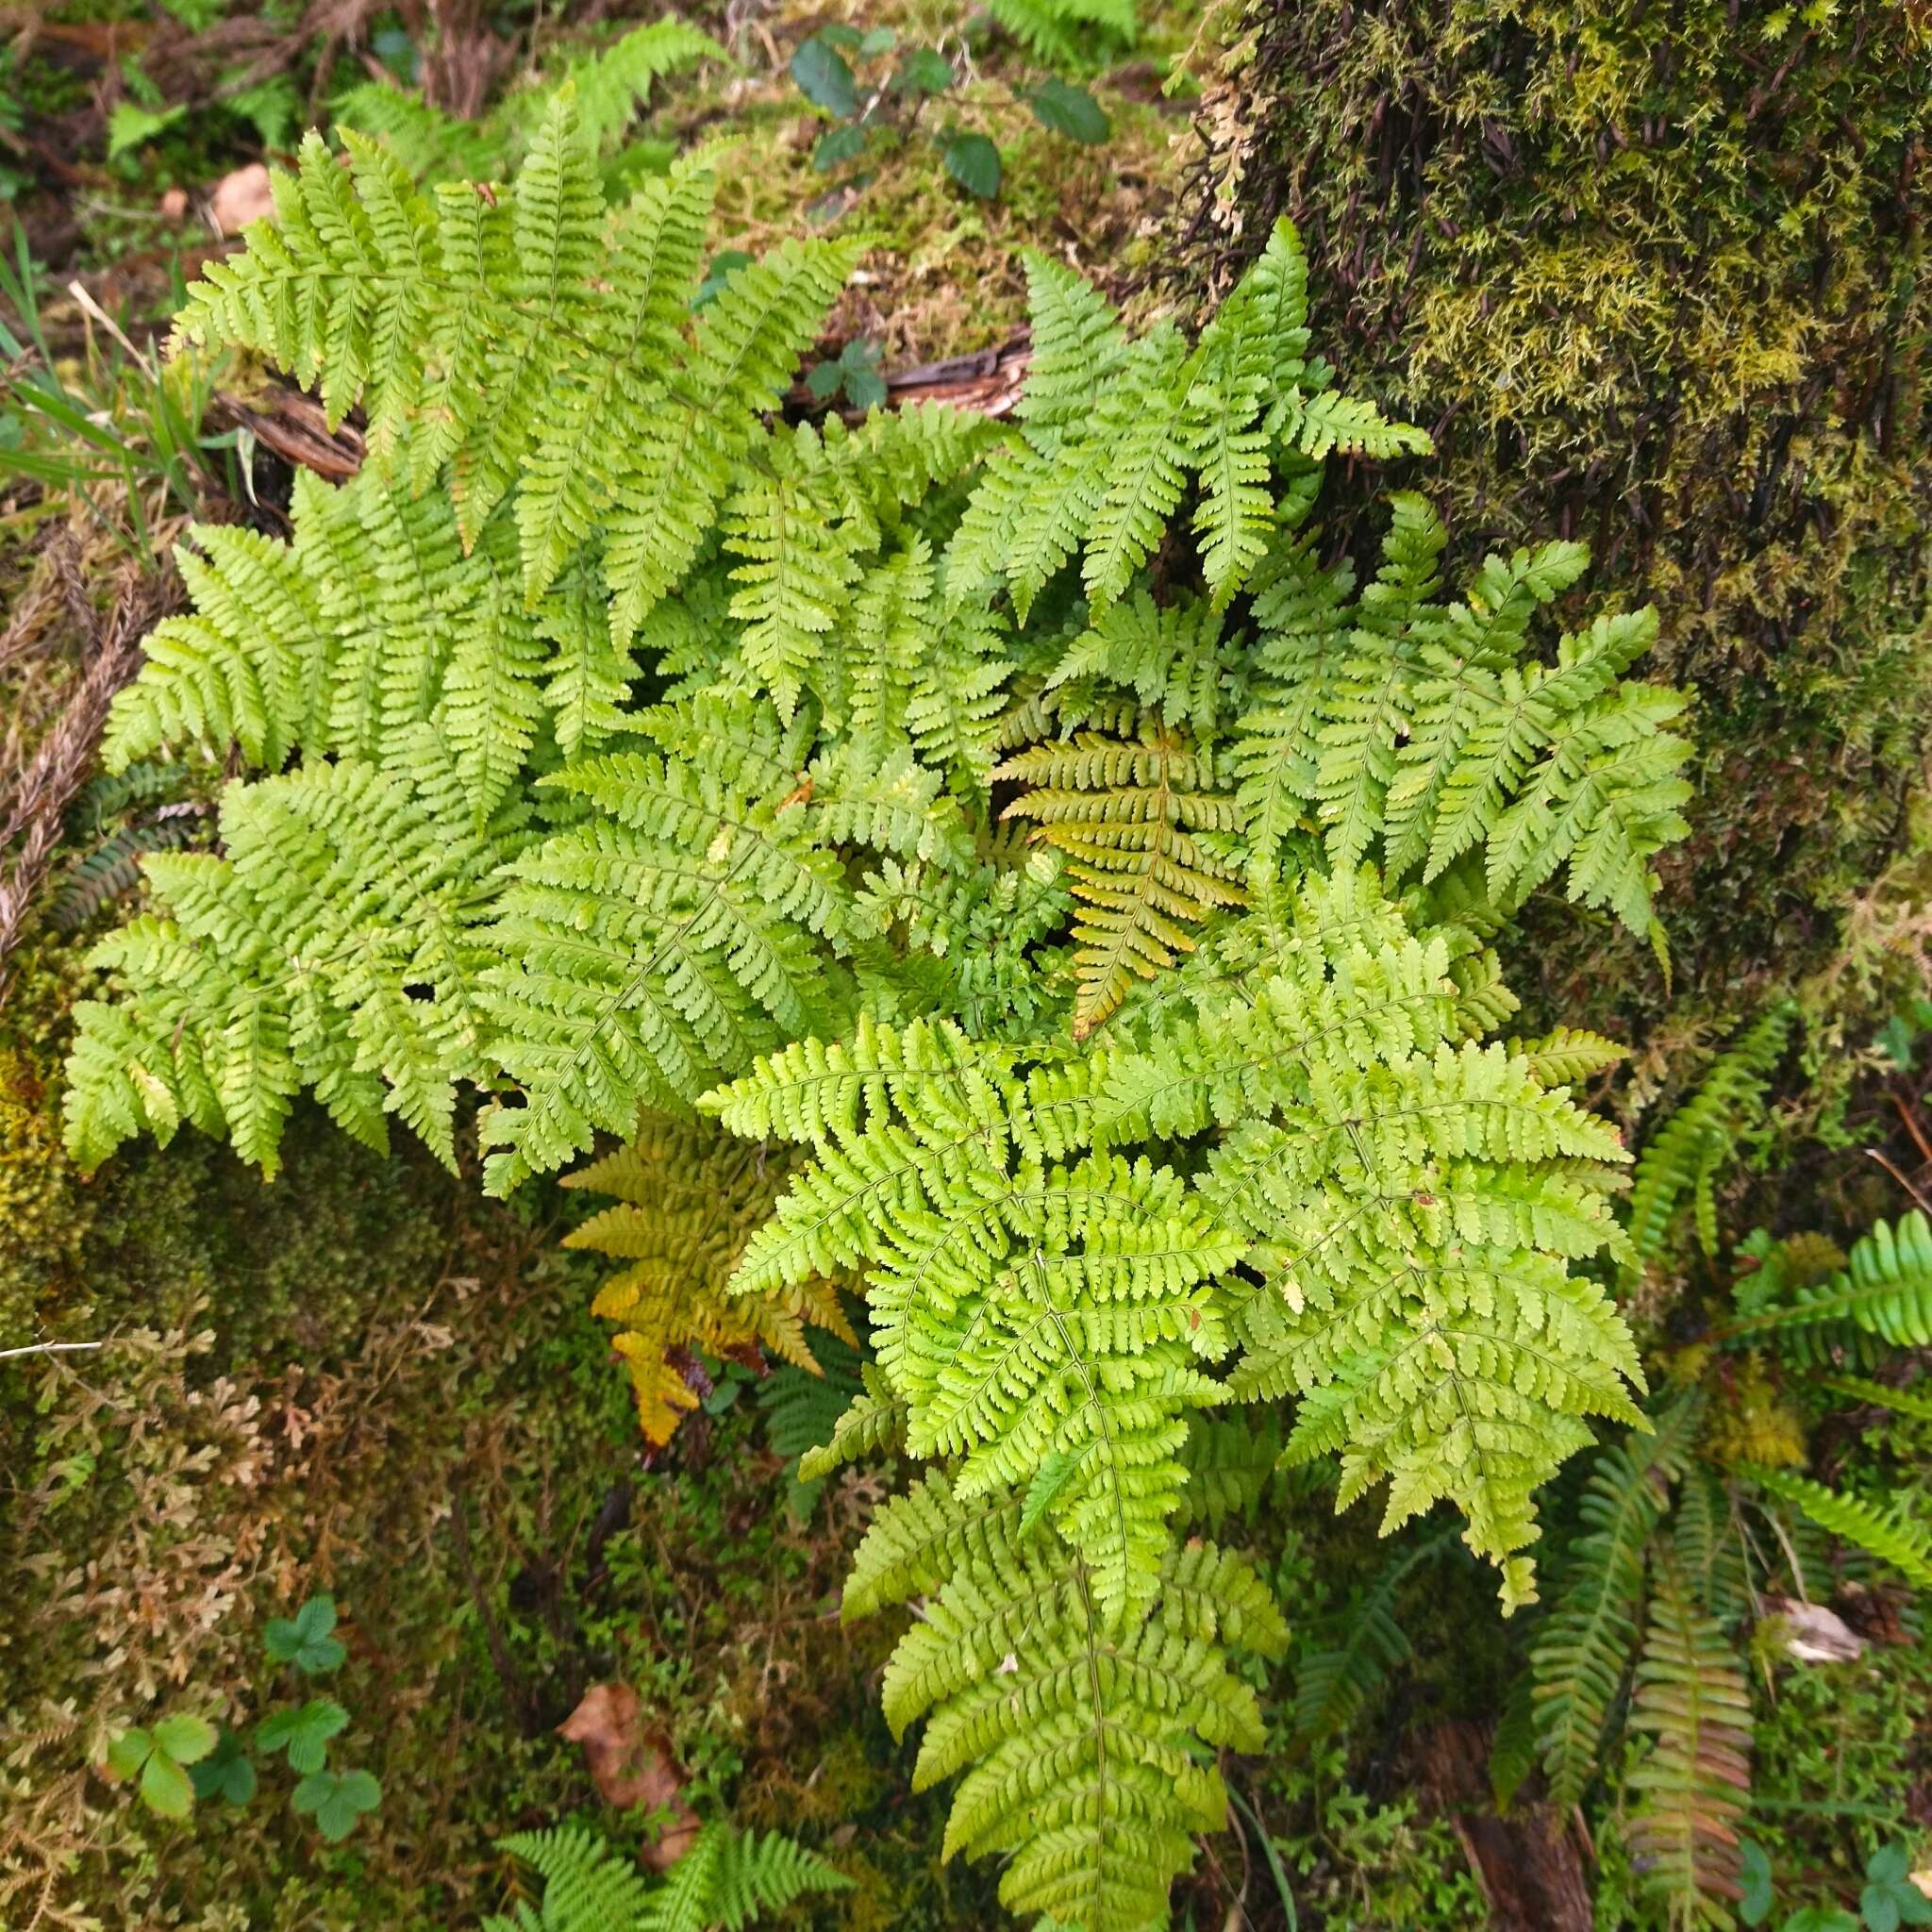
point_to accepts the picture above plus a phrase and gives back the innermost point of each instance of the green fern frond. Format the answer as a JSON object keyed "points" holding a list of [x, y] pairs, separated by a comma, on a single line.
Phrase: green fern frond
{"points": [[1913, 1401], [1419, 725], [1885, 1291], [333, 945], [1076, 1737], [1023, 1310], [1339, 1672], [1890, 1535], [1699, 1139], [1582, 1649], [1692, 1701], [587, 1886], [1129, 819]]}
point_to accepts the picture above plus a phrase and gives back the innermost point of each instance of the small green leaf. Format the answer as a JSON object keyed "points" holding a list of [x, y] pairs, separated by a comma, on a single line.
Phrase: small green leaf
{"points": [[840, 35], [836, 146], [228, 1773], [165, 1788], [1821, 1919], [1891, 1899], [302, 1733], [186, 1740], [129, 1751], [924, 71], [1754, 1878], [877, 41], [304, 1639], [974, 162], [725, 264], [336, 1799], [822, 380], [1063, 109], [131, 124], [865, 389], [824, 78]]}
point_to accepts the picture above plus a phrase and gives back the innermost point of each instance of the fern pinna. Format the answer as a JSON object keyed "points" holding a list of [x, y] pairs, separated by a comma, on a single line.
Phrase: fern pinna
{"points": [[1024, 821]]}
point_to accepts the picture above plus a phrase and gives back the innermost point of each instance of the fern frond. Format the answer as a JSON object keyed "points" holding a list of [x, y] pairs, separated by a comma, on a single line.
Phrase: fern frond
{"points": [[1413, 1203], [1337, 1674], [1077, 1738], [687, 1200], [1890, 1535], [587, 1887], [1913, 1401], [665, 939], [1581, 1651], [728, 1878], [1692, 1147], [332, 946], [1023, 1310], [1128, 818], [1884, 1290], [1692, 1701]]}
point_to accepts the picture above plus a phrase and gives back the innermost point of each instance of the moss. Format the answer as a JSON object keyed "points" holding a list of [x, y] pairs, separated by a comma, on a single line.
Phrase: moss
{"points": [[1652, 276]]}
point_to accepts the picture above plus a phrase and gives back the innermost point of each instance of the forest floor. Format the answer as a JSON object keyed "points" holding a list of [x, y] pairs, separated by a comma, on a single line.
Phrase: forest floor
{"points": [[364, 1380]]}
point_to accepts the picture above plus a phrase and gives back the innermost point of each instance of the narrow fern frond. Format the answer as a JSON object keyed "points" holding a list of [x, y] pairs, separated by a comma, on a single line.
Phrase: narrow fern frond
{"points": [[1890, 1535], [1129, 819], [1686, 1156], [1691, 1700]]}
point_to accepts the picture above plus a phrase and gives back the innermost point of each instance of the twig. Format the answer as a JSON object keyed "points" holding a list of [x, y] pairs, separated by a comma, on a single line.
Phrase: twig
{"points": [[1884, 1162], [49, 1348]]}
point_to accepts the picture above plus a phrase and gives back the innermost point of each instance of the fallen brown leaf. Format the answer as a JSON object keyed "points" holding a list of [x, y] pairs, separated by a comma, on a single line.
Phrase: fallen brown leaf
{"points": [[1812, 1634], [241, 199], [631, 1765]]}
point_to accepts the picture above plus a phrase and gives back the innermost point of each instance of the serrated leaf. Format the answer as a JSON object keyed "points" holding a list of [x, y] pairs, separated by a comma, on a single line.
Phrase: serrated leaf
{"points": [[228, 1773], [836, 146], [974, 162], [127, 1753], [165, 1788], [336, 1799], [924, 71], [304, 1732], [824, 78], [1063, 109], [186, 1740]]}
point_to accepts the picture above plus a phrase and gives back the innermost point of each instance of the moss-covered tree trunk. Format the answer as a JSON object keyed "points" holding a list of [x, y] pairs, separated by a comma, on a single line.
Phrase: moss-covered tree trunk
{"points": [[1652, 276]]}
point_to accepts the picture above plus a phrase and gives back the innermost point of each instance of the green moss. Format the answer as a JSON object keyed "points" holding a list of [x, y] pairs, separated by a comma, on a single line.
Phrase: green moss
{"points": [[1655, 278]]}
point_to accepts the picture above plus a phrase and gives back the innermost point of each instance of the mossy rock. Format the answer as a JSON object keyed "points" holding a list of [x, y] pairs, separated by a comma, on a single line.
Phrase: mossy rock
{"points": [[1653, 276]]}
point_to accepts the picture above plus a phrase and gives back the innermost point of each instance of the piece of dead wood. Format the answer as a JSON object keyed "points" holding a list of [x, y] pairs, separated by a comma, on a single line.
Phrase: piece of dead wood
{"points": [[1529, 1865], [30, 816], [631, 1765], [292, 424]]}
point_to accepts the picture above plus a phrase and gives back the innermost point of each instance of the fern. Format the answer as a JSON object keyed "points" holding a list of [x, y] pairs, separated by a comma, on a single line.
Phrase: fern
{"points": [[1128, 818], [1079, 1736], [725, 1880], [1692, 1701], [1884, 1291], [614, 749], [1412, 1203], [1336, 1676], [1403, 725], [688, 1199], [1103, 480], [1686, 1156], [1582, 1649], [1890, 1535], [1022, 1309]]}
